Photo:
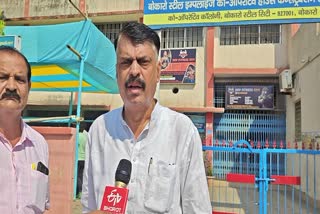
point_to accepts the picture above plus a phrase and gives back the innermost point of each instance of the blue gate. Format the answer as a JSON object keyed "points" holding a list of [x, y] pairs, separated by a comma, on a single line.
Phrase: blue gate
{"points": [[262, 173], [258, 127], [269, 179]]}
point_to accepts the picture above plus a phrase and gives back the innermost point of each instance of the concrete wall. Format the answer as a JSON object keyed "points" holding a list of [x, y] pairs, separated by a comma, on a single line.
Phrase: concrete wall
{"points": [[16, 8], [305, 62], [304, 58], [39, 12], [61, 141], [96, 6], [12, 8], [63, 99], [188, 95], [281, 50]]}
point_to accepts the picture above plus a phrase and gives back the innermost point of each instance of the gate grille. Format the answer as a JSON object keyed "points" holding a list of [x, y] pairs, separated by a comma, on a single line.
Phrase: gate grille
{"points": [[259, 127]]}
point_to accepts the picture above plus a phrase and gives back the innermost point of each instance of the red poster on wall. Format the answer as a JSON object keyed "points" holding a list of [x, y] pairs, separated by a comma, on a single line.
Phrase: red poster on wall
{"points": [[178, 66]]}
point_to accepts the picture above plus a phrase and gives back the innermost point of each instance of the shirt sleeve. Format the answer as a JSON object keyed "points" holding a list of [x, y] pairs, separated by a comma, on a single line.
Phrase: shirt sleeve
{"points": [[87, 197], [195, 194]]}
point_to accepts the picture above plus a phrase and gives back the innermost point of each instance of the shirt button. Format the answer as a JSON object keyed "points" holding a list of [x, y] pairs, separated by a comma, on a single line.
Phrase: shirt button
{"points": [[134, 159]]}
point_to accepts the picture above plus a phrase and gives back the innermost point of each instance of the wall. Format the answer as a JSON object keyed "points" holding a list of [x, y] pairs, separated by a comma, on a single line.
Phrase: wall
{"points": [[96, 6], [18, 8], [304, 58], [63, 99], [39, 12], [61, 141], [188, 95], [281, 50], [305, 63], [12, 8]]}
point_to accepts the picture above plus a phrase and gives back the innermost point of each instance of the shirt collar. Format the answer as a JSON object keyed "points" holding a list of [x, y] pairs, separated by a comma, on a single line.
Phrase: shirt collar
{"points": [[24, 137], [154, 113]]}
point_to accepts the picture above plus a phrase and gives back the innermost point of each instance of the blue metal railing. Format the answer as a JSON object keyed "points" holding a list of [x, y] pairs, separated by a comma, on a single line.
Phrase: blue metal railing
{"points": [[264, 159]]}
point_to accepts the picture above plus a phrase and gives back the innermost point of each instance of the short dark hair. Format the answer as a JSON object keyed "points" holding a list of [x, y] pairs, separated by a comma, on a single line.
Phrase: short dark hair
{"points": [[139, 33], [13, 50], [192, 67]]}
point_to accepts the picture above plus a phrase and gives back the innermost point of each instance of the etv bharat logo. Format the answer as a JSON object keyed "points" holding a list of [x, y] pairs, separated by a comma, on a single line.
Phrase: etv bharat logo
{"points": [[114, 198]]}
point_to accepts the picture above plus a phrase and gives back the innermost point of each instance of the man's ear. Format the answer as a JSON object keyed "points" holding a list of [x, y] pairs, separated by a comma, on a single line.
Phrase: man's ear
{"points": [[158, 70], [117, 70]]}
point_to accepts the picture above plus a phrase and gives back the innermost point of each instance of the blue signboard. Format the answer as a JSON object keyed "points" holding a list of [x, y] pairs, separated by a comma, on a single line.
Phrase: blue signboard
{"points": [[249, 97], [178, 13], [12, 41], [198, 120]]}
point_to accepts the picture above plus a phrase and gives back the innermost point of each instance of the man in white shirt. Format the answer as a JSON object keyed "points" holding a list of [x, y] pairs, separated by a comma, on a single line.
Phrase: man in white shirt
{"points": [[163, 146]]}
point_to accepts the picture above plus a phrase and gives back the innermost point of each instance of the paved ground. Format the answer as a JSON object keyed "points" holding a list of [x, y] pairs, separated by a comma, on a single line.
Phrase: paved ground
{"points": [[76, 207], [244, 199], [234, 199]]}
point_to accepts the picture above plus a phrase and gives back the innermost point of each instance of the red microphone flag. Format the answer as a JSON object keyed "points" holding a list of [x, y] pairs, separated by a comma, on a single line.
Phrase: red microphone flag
{"points": [[114, 200]]}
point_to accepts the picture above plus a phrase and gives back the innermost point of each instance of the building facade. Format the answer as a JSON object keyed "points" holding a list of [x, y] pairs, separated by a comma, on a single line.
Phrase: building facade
{"points": [[226, 58]]}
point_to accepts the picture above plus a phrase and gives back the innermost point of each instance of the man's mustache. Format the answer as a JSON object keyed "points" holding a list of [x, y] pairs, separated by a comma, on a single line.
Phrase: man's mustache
{"points": [[11, 94], [135, 79]]}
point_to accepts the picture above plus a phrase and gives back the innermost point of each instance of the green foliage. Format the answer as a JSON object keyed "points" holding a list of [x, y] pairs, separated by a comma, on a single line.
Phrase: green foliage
{"points": [[2, 25]]}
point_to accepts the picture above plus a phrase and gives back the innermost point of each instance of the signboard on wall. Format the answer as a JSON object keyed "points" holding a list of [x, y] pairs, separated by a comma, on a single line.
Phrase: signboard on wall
{"points": [[178, 66], [199, 120], [178, 13], [12, 41], [249, 97]]}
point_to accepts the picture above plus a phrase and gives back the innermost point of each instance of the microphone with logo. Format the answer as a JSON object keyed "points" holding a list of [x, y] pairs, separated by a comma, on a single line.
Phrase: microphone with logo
{"points": [[115, 198]]}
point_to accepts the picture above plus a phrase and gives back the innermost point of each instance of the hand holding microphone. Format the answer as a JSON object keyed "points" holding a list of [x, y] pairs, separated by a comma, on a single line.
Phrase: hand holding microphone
{"points": [[115, 198]]}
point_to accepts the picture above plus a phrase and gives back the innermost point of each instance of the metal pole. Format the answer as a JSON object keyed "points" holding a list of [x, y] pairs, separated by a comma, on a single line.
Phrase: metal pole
{"points": [[263, 182], [78, 10], [77, 128], [70, 107], [78, 116]]}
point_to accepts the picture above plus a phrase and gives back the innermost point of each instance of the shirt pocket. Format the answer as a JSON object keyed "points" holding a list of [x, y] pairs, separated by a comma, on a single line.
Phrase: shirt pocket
{"points": [[38, 189], [159, 188]]}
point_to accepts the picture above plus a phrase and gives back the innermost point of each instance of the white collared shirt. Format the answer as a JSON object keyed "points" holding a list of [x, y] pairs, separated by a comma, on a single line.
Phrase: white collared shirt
{"points": [[173, 182]]}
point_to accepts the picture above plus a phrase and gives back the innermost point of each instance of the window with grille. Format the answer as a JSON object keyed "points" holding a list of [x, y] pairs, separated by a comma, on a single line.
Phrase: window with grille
{"points": [[181, 37], [269, 34], [229, 35], [298, 121], [250, 34], [111, 30]]}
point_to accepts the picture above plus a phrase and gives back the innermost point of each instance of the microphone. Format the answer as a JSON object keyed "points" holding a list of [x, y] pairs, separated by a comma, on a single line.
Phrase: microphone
{"points": [[123, 173], [115, 198]]}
